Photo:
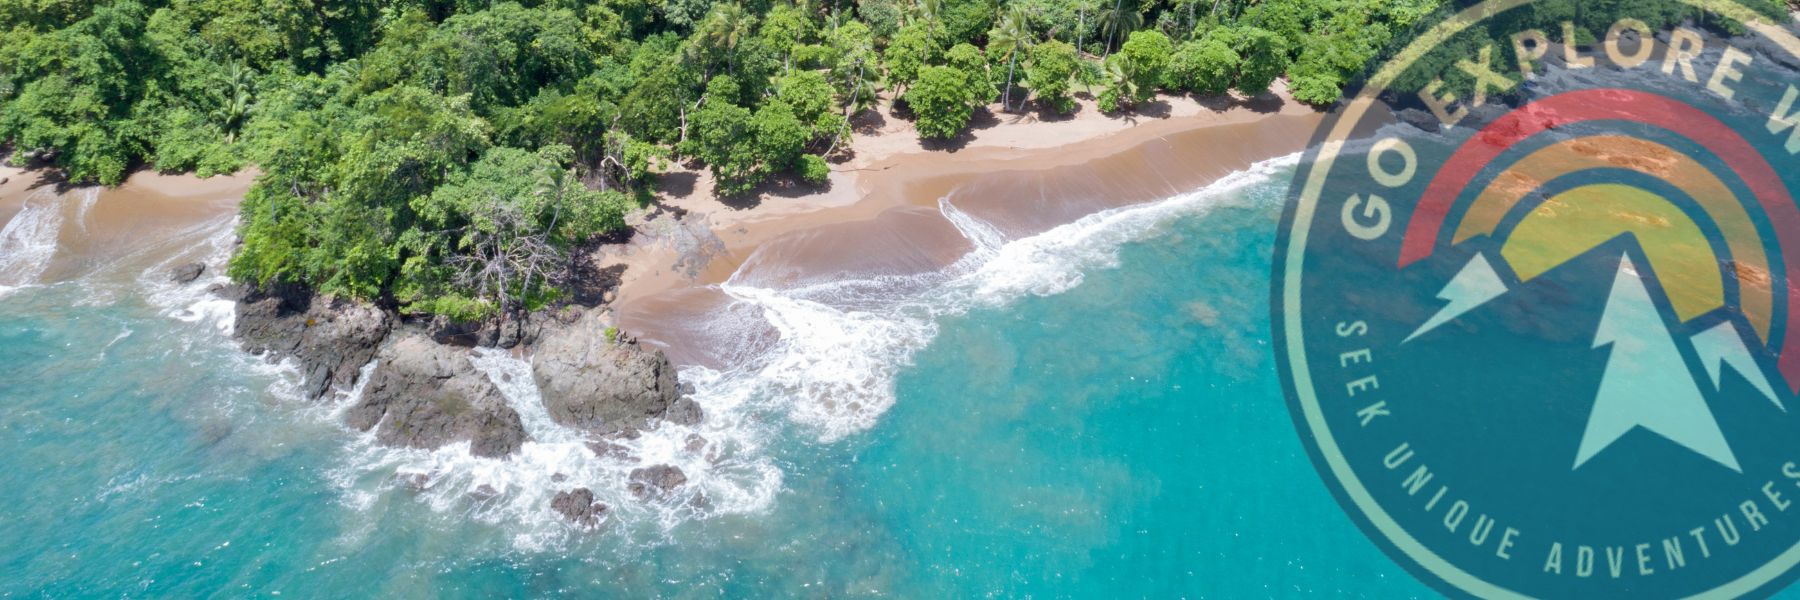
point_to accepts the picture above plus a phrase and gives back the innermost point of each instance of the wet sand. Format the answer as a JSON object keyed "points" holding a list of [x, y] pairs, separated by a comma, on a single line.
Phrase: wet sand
{"points": [[893, 224], [65, 233]]}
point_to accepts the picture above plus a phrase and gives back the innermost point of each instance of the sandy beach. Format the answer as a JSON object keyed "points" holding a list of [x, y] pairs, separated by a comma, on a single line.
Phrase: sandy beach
{"points": [[1020, 174], [56, 233]]}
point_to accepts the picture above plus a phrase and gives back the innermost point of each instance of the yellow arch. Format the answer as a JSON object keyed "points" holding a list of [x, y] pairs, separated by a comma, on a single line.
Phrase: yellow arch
{"points": [[1511, 186], [1576, 221]]}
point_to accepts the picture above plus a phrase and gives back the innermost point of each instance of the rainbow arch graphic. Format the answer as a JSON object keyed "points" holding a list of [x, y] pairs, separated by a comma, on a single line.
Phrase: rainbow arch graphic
{"points": [[1675, 243]]}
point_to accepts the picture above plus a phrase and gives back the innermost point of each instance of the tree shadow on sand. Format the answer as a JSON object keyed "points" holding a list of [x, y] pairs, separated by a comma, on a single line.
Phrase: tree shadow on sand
{"points": [[868, 122], [1046, 114], [982, 119], [781, 185], [679, 184], [1264, 103], [1155, 109]]}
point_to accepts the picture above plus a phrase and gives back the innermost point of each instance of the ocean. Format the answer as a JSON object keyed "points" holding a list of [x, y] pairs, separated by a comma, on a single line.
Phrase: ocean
{"points": [[1090, 411]]}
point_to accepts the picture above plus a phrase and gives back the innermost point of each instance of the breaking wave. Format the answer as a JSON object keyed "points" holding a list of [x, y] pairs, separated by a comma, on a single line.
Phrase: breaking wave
{"points": [[842, 344], [826, 373]]}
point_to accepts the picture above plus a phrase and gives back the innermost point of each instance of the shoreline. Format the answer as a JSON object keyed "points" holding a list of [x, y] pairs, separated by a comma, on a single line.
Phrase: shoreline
{"points": [[882, 216], [892, 168], [886, 193]]}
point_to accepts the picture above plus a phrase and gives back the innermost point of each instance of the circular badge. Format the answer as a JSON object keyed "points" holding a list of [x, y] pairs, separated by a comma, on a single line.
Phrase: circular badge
{"points": [[1536, 301]]}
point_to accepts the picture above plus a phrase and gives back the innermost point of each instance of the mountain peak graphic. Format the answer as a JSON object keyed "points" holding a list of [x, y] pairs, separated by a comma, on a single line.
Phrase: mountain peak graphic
{"points": [[1646, 383]]}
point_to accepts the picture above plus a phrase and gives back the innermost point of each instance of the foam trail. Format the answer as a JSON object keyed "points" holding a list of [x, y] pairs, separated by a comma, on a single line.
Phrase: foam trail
{"points": [[831, 373], [29, 240], [984, 236], [727, 473], [843, 343]]}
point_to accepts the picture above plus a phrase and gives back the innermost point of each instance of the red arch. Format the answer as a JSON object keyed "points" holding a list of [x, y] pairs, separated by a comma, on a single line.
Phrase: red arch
{"points": [[1434, 207]]}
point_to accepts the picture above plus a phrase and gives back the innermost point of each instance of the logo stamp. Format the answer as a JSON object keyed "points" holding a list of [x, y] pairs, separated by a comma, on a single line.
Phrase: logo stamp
{"points": [[1536, 301]]}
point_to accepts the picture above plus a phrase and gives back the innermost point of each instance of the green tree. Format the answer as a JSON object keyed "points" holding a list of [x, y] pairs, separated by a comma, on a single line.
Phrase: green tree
{"points": [[911, 49], [1148, 52], [716, 39], [77, 88], [973, 66], [685, 14], [1204, 66], [779, 138], [854, 69], [1264, 56], [785, 28], [1119, 20], [1050, 74], [718, 134], [495, 240], [1010, 39], [967, 20], [1122, 77], [929, 13], [943, 102]]}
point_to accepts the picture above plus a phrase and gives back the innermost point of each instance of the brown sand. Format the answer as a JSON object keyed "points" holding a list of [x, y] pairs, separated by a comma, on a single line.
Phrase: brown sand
{"points": [[881, 215], [149, 221]]}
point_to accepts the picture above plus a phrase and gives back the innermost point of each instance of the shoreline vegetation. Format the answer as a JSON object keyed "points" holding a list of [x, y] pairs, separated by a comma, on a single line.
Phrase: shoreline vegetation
{"points": [[451, 158]]}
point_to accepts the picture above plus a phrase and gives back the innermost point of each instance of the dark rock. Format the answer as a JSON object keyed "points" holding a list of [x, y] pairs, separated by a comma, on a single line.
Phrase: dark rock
{"points": [[513, 332], [684, 411], [558, 478], [694, 442], [187, 273], [605, 449], [414, 481], [426, 395], [590, 381], [484, 492], [578, 506], [331, 338], [655, 482], [229, 291]]}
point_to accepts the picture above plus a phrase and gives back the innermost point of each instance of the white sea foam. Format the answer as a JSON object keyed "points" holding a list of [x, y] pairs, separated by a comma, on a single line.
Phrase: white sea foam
{"points": [[29, 240], [831, 373], [843, 343], [727, 471]]}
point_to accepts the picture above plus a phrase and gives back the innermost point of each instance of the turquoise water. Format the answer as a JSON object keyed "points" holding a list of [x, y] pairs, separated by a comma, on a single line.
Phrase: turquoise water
{"points": [[1103, 422]]}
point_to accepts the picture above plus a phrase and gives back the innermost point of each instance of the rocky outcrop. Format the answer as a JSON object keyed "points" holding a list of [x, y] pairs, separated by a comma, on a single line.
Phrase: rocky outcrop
{"points": [[578, 506], [508, 334], [187, 273], [426, 395], [591, 379], [655, 482], [331, 338]]}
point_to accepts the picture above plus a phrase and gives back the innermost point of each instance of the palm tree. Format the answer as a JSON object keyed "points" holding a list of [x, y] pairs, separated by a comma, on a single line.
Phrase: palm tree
{"points": [[1121, 75], [930, 12], [727, 26], [240, 91], [1118, 21], [1012, 38]]}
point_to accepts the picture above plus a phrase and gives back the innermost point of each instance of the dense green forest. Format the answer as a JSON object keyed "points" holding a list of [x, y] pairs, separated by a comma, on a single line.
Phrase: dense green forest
{"points": [[448, 156]]}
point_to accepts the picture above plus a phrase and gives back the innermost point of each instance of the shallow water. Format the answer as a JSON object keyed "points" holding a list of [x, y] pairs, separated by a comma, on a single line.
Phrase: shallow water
{"points": [[1090, 411]]}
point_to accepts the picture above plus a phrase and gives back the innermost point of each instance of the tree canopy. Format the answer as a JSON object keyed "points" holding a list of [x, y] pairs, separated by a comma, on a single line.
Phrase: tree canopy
{"points": [[448, 156]]}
